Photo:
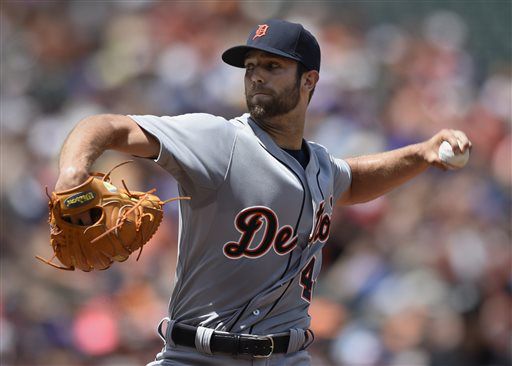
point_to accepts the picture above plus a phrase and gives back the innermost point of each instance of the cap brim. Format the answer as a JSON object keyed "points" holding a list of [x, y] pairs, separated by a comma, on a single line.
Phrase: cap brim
{"points": [[235, 56]]}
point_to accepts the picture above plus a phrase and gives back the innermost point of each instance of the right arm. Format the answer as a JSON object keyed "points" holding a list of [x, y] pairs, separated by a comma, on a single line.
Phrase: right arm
{"points": [[94, 135]]}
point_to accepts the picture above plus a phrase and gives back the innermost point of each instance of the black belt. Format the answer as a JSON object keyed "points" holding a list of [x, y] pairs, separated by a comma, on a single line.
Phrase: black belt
{"points": [[232, 343]]}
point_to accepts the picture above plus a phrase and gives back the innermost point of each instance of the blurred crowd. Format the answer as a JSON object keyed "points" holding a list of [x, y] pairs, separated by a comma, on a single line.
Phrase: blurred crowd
{"points": [[419, 277]]}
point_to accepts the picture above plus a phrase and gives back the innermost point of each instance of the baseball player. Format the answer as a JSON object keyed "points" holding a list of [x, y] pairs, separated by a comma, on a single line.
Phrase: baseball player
{"points": [[251, 237]]}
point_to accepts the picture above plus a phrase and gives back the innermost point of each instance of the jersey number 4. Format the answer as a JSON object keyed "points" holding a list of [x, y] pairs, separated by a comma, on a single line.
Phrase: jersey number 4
{"points": [[307, 281]]}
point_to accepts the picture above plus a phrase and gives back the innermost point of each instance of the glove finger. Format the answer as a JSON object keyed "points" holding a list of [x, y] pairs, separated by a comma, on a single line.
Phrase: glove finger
{"points": [[97, 258], [151, 221], [61, 250]]}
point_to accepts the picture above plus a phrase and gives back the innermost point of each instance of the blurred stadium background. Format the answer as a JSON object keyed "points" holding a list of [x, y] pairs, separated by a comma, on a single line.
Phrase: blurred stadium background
{"points": [[420, 277]]}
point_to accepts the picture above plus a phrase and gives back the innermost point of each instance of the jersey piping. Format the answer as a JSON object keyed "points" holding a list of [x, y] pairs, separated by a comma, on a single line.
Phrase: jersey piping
{"points": [[294, 232]]}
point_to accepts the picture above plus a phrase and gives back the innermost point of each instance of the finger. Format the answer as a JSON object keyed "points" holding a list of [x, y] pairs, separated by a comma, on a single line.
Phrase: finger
{"points": [[464, 142], [444, 166], [83, 219], [453, 141], [434, 160]]}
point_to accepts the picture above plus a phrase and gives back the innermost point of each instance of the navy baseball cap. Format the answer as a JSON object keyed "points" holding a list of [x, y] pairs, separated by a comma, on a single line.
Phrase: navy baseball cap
{"points": [[279, 37]]}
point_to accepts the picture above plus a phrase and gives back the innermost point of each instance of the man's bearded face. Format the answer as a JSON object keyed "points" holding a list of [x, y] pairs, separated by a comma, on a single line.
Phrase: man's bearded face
{"points": [[265, 103]]}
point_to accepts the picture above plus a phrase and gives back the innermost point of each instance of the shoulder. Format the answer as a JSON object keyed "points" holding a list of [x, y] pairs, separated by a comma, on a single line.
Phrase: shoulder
{"points": [[193, 122], [241, 121], [319, 150], [199, 118], [323, 156], [211, 121], [187, 117]]}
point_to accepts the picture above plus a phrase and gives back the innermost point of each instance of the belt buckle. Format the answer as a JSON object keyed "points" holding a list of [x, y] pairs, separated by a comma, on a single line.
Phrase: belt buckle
{"points": [[266, 337]]}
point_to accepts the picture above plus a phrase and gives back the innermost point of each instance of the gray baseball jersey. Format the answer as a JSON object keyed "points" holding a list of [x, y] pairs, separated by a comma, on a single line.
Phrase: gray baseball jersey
{"points": [[250, 238]]}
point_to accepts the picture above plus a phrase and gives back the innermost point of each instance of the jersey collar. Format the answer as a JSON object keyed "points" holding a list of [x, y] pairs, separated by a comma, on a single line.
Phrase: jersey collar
{"points": [[269, 144]]}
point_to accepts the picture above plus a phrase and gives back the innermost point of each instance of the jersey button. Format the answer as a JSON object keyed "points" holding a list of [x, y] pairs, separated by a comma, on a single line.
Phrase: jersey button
{"points": [[256, 312]]}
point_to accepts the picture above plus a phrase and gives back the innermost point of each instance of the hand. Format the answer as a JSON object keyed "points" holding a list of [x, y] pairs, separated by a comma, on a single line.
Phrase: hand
{"points": [[71, 177], [430, 148]]}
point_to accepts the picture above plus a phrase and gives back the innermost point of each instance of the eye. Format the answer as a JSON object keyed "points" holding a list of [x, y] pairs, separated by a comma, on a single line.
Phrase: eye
{"points": [[274, 65], [249, 66]]}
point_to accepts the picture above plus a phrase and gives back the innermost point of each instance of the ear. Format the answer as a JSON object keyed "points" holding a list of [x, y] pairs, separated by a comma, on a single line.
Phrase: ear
{"points": [[309, 79]]}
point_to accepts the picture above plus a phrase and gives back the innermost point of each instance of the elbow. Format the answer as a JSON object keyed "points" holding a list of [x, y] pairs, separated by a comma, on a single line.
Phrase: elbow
{"points": [[102, 130]]}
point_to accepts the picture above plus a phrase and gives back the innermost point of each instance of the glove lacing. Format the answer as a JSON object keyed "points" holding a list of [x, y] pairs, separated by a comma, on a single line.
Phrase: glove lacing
{"points": [[140, 197]]}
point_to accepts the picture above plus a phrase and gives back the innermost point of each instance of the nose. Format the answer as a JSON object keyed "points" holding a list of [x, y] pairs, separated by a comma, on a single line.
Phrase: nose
{"points": [[256, 76]]}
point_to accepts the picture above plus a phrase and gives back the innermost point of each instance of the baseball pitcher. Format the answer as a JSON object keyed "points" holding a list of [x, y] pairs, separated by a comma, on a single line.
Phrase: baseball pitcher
{"points": [[251, 236]]}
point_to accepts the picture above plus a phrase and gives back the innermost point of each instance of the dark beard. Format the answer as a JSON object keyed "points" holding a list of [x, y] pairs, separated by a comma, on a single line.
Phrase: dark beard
{"points": [[276, 106]]}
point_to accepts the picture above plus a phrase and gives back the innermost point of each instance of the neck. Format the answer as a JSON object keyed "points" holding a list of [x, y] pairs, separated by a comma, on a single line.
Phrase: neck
{"points": [[286, 130]]}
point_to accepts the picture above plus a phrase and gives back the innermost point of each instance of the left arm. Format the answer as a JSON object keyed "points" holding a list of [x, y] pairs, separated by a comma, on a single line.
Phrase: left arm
{"points": [[375, 175]]}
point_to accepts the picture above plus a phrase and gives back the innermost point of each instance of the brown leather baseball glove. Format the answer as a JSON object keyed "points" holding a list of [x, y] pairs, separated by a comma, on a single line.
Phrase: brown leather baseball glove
{"points": [[122, 222]]}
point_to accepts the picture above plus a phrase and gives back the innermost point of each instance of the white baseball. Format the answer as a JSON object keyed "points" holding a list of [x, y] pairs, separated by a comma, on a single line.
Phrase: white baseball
{"points": [[447, 155]]}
